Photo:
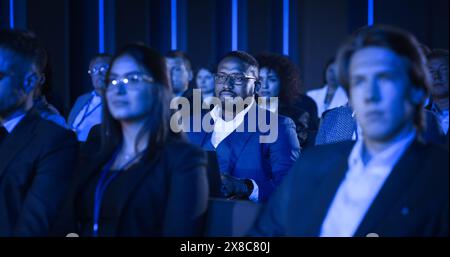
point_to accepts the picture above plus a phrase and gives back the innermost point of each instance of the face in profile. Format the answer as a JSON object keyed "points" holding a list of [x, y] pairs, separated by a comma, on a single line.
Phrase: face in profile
{"points": [[12, 94], [380, 92], [234, 79], [270, 83], [130, 90], [97, 70], [205, 81], [179, 74], [439, 74]]}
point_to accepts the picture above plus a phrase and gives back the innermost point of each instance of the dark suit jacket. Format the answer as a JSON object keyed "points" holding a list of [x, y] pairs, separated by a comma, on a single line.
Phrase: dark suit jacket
{"points": [[36, 163], [242, 155], [77, 107], [413, 201], [164, 196]]}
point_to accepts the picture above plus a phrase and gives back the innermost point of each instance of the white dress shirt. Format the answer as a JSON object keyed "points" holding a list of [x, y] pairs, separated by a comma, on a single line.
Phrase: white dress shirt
{"points": [[92, 113], [360, 187], [12, 123], [222, 129], [318, 95]]}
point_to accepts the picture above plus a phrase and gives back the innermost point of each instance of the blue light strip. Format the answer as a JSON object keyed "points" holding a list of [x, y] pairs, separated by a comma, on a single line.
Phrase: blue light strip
{"points": [[11, 14], [286, 27], [370, 12], [234, 25], [173, 24], [101, 26]]}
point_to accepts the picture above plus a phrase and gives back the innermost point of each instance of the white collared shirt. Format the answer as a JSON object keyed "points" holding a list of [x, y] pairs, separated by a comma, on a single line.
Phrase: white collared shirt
{"points": [[360, 187], [340, 98], [12, 123], [93, 108], [222, 129]]}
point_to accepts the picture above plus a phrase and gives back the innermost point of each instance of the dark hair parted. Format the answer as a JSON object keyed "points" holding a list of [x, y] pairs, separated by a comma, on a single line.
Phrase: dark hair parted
{"points": [[287, 72], [400, 42], [157, 123], [25, 44]]}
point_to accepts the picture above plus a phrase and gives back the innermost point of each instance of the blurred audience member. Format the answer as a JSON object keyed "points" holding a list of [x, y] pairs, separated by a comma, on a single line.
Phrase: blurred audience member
{"points": [[388, 183], [280, 78], [146, 180], [332, 95], [87, 110], [36, 155]]}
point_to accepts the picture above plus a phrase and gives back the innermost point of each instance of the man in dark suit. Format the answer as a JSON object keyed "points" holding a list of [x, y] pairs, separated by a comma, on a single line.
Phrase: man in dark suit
{"points": [[386, 184], [252, 162], [36, 155]]}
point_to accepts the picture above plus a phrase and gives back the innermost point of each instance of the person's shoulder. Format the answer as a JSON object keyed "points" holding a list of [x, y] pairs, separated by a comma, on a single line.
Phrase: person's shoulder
{"points": [[50, 130], [328, 149], [337, 111], [179, 147]]}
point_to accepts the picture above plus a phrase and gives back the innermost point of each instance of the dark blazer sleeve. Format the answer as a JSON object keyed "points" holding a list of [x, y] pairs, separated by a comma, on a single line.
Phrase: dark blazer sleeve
{"points": [[53, 170], [283, 154], [188, 191]]}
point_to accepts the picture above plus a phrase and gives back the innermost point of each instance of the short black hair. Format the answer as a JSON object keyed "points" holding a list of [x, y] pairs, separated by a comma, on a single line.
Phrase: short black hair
{"points": [[438, 54], [100, 56], [243, 56], [25, 44], [248, 59], [182, 55]]}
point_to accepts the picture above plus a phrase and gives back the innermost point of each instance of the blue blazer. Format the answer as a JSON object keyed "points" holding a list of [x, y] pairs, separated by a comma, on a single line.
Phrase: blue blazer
{"points": [[242, 155]]}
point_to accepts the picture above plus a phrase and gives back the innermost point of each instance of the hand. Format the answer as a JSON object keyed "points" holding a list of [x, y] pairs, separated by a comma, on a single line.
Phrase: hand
{"points": [[235, 187]]}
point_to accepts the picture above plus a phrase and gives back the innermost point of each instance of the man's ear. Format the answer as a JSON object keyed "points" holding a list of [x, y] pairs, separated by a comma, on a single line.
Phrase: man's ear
{"points": [[31, 81], [416, 95]]}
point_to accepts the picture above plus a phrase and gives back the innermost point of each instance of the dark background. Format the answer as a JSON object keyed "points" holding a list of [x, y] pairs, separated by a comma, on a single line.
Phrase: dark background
{"points": [[69, 30]]}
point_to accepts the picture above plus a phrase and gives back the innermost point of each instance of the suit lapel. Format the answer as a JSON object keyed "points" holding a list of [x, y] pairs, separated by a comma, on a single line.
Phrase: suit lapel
{"points": [[19, 139], [230, 149], [395, 187], [326, 192]]}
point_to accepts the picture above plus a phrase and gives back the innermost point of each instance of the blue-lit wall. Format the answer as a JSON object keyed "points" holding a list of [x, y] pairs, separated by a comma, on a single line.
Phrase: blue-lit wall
{"points": [[70, 30]]}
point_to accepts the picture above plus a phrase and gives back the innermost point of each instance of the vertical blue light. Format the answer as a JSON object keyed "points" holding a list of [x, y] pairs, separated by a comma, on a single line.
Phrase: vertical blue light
{"points": [[101, 26], [173, 24], [286, 27], [11, 14], [370, 12], [234, 25]]}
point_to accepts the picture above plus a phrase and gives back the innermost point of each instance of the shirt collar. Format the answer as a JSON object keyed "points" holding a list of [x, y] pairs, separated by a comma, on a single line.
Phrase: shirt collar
{"points": [[12, 123], [387, 158], [238, 119]]}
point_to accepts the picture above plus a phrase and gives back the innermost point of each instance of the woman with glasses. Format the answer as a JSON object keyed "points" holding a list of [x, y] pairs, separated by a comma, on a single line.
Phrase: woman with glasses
{"points": [[146, 179]]}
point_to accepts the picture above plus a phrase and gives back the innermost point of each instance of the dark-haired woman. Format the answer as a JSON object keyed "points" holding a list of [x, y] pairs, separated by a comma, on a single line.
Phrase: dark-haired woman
{"points": [[280, 78], [146, 180]]}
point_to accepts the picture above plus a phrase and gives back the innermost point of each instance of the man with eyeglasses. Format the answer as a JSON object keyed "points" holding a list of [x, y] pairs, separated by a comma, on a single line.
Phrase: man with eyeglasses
{"points": [[87, 110], [250, 168]]}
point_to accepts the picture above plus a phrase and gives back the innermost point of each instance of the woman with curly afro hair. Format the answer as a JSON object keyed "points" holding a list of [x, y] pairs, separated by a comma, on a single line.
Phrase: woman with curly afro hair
{"points": [[280, 77]]}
